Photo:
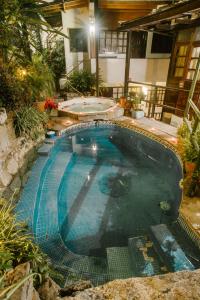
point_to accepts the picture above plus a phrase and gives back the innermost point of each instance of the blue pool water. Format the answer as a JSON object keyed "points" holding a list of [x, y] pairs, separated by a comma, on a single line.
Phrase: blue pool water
{"points": [[95, 197]]}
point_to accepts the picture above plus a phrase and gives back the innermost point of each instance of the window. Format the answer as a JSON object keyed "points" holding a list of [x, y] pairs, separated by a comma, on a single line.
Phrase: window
{"points": [[161, 43], [78, 40], [180, 61], [193, 63], [112, 41], [139, 43]]}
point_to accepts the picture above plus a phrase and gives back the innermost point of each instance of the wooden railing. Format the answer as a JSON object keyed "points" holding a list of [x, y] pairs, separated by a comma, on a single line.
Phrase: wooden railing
{"points": [[193, 127], [153, 104]]}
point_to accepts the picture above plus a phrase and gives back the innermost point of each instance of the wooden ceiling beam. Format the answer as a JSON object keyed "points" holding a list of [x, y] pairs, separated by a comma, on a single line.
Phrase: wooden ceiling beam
{"points": [[162, 15], [57, 7], [134, 5]]}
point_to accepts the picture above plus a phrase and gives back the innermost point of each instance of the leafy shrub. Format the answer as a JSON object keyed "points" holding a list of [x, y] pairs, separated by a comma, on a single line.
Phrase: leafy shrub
{"points": [[20, 86], [185, 146], [55, 58], [29, 122], [16, 245], [40, 79], [13, 91], [190, 157], [82, 81]]}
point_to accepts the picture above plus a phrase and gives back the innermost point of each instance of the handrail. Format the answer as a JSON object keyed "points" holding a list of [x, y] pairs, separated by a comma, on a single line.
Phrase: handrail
{"points": [[191, 104], [159, 86], [76, 66]]}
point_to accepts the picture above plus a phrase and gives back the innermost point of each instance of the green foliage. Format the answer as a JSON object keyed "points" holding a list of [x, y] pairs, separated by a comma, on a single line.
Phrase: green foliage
{"points": [[16, 245], [136, 98], [191, 159], [55, 57], [29, 122], [22, 86], [20, 25], [40, 79], [12, 90], [185, 146], [82, 81]]}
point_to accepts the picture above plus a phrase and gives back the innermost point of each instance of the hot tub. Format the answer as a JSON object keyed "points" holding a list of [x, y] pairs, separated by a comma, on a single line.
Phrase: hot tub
{"points": [[90, 108]]}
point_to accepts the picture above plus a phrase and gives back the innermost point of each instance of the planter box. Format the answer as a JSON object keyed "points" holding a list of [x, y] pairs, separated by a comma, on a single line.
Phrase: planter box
{"points": [[137, 114], [3, 116]]}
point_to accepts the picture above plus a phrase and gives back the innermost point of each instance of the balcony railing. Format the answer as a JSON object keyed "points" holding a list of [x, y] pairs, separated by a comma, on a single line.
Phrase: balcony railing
{"points": [[154, 103]]}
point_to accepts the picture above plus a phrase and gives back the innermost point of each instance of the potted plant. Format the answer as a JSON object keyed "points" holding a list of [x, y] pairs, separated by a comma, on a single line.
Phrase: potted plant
{"points": [[136, 99], [51, 106], [190, 158]]}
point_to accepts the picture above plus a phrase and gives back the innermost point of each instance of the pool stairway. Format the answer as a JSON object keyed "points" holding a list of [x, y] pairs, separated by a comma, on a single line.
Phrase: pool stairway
{"points": [[169, 250], [138, 259], [45, 149]]}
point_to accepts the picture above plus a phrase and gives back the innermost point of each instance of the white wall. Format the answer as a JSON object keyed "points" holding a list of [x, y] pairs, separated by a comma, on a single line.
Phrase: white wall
{"points": [[145, 70], [73, 18]]}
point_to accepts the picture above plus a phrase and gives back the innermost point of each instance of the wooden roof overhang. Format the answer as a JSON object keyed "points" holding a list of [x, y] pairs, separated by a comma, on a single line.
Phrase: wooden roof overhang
{"points": [[57, 6], [170, 18]]}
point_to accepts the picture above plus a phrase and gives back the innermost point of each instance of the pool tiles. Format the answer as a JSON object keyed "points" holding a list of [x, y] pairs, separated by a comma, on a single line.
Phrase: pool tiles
{"points": [[25, 206], [70, 187], [47, 223], [119, 263], [90, 224]]}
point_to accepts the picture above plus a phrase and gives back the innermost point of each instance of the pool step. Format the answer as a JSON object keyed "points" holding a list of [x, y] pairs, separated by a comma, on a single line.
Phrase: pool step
{"points": [[50, 140], [119, 263], [143, 258], [169, 250], [45, 149]]}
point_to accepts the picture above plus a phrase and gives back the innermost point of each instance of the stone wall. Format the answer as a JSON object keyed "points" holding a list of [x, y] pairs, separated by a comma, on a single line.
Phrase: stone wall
{"points": [[16, 157], [182, 285]]}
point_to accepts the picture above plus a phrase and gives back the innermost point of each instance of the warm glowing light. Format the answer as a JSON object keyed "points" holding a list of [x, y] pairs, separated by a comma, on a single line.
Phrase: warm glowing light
{"points": [[145, 90], [173, 140], [94, 147], [21, 73], [92, 28], [152, 129]]}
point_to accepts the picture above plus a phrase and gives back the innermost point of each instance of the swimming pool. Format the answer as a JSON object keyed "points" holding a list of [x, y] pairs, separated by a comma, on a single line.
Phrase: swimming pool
{"points": [[93, 200]]}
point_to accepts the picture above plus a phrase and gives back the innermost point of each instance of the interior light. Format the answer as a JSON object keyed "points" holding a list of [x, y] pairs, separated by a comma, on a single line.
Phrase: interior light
{"points": [[145, 90], [94, 147], [92, 28]]}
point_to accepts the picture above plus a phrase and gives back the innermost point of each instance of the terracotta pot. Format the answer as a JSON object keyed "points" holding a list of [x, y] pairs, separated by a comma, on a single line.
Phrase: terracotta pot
{"points": [[190, 167], [122, 102]]}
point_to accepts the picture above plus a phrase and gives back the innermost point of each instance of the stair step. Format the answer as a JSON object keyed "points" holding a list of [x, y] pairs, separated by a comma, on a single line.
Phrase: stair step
{"points": [[143, 263], [169, 250], [119, 262], [45, 149], [50, 140]]}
